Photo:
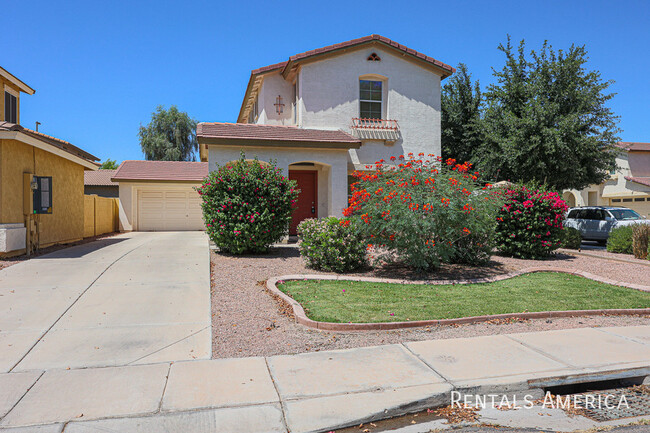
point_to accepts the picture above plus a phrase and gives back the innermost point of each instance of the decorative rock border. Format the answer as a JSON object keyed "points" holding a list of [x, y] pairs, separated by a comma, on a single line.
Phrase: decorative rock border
{"points": [[301, 316]]}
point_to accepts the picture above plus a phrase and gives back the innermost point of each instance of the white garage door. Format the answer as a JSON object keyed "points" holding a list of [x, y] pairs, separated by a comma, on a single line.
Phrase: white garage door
{"points": [[172, 209]]}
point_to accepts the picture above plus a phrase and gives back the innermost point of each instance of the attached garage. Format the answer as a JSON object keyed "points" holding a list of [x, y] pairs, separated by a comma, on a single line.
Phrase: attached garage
{"points": [[160, 195]]}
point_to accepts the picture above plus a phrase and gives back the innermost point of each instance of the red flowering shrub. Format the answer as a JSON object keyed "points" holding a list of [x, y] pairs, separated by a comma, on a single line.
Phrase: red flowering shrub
{"points": [[423, 212], [247, 206], [530, 222]]}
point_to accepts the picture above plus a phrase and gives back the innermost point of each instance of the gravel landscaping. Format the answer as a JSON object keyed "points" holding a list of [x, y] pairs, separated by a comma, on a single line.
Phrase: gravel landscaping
{"points": [[247, 321]]}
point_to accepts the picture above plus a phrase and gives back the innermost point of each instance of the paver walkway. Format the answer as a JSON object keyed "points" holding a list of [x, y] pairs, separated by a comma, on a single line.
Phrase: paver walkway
{"points": [[312, 392], [129, 299]]}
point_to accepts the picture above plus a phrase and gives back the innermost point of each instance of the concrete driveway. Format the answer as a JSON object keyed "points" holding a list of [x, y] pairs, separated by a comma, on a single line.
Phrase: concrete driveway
{"points": [[135, 298]]}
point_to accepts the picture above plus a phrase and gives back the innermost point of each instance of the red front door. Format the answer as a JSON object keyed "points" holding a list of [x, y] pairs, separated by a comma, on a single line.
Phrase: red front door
{"points": [[306, 205]]}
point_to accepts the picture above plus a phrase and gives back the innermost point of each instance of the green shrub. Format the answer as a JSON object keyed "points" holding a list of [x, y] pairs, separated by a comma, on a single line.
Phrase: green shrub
{"points": [[530, 222], [247, 206], [330, 244], [640, 237], [571, 238], [423, 212], [620, 240]]}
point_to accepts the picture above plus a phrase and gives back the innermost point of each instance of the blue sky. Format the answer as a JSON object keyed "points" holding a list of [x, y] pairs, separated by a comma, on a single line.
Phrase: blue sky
{"points": [[101, 68]]}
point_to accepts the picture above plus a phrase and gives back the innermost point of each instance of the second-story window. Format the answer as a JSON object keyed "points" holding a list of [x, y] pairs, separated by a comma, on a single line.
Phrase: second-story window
{"points": [[11, 108], [370, 99]]}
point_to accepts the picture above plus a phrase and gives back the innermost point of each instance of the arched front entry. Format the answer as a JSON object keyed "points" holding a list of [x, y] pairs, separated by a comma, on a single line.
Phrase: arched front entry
{"points": [[570, 198], [313, 181]]}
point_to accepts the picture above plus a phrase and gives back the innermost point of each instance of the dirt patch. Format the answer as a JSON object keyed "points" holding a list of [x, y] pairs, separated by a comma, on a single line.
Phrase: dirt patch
{"points": [[248, 321]]}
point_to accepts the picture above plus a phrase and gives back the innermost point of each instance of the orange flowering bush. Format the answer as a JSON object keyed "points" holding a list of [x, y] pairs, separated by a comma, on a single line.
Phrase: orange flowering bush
{"points": [[423, 212]]}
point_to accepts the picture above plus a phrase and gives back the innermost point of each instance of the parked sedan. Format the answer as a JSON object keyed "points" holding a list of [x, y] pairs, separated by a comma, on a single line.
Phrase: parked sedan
{"points": [[595, 222]]}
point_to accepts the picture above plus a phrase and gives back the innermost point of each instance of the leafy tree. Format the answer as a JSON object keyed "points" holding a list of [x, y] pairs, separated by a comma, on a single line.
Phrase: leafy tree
{"points": [[461, 116], [547, 121], [170, 136], [109, 164]]}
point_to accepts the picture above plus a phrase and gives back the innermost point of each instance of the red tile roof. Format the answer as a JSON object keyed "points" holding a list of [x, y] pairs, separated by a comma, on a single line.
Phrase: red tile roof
{"points": [[640, 180], [351, 43], [99, 178], [56, 142], [293, 60], [180, 171], [263, 134], [634, 146]]}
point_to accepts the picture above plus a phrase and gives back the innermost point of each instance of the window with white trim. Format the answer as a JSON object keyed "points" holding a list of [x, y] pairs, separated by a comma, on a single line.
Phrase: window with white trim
{"points": [[11, 108], [370, 99]]}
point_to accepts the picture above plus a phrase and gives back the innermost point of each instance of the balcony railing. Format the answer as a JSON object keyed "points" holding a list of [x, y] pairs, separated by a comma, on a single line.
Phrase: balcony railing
{"points": [[375, 129], [375, 124]]}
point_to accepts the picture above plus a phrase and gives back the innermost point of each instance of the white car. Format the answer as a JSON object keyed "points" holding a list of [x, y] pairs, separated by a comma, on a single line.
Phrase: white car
{"points": [[595, 222]]}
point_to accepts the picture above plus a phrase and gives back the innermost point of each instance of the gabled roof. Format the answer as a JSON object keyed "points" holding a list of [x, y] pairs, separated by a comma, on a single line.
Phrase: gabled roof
{"points": [[634, 146], [244, 134], [640, 180], [178, 171], [56, 142], [286, 67], [99, 178], [16, 82]]}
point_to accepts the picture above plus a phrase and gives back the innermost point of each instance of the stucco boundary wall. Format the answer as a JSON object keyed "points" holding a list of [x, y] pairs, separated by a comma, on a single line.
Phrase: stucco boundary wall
{"points": [[101, 215], [301, 317]]}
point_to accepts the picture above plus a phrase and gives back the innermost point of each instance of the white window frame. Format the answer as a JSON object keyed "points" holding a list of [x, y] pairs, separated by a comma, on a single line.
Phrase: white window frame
{"points": [[381, 101]]}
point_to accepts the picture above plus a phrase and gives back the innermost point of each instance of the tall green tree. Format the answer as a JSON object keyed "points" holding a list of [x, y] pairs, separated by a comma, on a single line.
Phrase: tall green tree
{"points": [[170, 136], [461, 127], [547, 120], [109, 164]]}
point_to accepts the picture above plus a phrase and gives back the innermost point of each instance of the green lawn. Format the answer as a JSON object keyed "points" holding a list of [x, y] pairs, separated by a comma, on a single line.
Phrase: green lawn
{"points": [[356, 302]]}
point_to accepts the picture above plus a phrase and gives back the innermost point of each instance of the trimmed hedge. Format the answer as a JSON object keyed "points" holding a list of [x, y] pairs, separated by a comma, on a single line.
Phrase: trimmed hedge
{"points": [[572, 238], [620, 240], [330, 244]]}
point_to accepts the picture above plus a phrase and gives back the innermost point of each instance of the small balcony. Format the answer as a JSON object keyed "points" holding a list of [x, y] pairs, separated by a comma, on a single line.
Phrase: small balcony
{"points": [[375, 129]]}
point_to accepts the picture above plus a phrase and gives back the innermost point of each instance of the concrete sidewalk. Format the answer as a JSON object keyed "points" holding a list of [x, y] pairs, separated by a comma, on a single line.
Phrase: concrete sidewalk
{"points": [[313, 392], [128, 299]]}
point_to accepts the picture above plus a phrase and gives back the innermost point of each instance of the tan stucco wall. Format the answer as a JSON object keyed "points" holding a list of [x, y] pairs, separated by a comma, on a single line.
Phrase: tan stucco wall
{"points": [[66, 221], [100, 215]]}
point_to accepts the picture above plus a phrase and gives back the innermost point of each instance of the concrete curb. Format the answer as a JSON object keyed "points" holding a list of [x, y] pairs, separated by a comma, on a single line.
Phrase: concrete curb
{"points": [[301, 316]]}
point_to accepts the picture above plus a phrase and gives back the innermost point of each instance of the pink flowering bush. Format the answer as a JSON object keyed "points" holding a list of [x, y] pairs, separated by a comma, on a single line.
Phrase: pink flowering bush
{"points": [[247, 206], [530, 222]]}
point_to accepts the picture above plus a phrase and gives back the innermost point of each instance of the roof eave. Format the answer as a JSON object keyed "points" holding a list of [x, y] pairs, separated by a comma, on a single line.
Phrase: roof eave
{"points": [[256, 142], [128, 179], [16, 81], [48, 147], [293, 63]]}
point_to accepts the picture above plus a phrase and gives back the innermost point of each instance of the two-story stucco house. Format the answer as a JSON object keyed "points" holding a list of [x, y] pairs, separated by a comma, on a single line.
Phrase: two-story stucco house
{"points": [[627, 186], [327, 112]]}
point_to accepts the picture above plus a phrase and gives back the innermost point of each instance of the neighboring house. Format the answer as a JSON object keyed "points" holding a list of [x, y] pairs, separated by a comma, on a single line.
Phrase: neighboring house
{"points": [[628, 186], [41, 180], [160, 195], [99, 183], [327, 112]]}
